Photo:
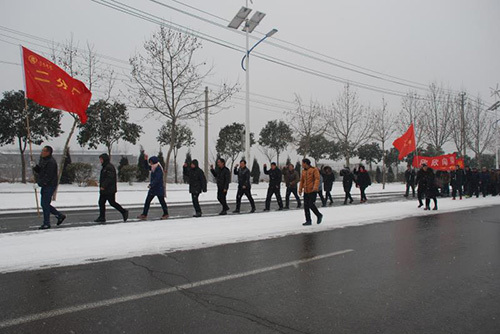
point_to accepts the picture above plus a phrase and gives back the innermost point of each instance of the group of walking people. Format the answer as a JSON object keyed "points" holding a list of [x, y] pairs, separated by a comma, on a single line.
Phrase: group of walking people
{"points": [[310, 183]]}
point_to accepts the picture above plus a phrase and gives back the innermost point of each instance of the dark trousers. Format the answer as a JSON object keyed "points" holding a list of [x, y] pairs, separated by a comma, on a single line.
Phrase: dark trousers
{"points": [[291, 190], [347, 195], [110, 198], [240, 194], [196, 202], [455, 189], [428, 202], [328, 196], [221, 197], [408, 186], [474, 190], [484, 188], [46, 197], [420, 195], [148, 203], [309, 204], [363, 195], [321, 197], [276, 192]]}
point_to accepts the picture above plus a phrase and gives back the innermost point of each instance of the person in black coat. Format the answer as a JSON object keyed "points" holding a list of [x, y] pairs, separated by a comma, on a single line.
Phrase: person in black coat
{"points": [[363, 181], [46, 176], [197, 184], [347, 181], [421, 186], [243, 186], [457, 177], [292, 178], [328, 179], [431, 188], [274, 186], [474, 183], [467, 181], [484, 181], [223, 177], [410, 181], [108, 189], [156, 188]]}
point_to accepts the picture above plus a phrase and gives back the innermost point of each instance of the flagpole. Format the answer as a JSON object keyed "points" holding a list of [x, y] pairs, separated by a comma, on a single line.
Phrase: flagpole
{"points": [[28, 128]]}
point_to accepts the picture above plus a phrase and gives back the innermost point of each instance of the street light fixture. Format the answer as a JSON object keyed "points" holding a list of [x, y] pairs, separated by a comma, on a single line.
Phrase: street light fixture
{"points": [[249, 26]]}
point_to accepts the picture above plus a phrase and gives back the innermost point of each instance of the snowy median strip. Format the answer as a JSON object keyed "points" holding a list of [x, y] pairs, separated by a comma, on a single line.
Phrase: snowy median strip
{"points": [[62, 247]]}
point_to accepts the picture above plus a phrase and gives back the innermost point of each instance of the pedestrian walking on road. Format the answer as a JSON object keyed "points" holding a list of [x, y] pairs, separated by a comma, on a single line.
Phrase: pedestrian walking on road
{"points": [[347, 181], [363, 181], [46, 177], [309, 185], [328, 180], [274, 186], [484, 181], [457, 177], [244, 186], [475, 182], [107, 189], [197, 184], [431, 188], [292, 178], [156, 188], [223, 177], [420, 181], [410, 180]]}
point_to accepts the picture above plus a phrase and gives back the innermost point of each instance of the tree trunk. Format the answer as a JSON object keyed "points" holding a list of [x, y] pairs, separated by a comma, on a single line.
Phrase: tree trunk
{"points": [[277, 158], [383, 167], [65, 151], [23, 162], [347, 160], [175, 166]]}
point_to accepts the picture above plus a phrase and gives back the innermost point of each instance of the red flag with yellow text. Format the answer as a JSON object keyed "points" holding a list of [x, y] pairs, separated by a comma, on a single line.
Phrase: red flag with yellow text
{"points": [[48, 85], [406, 143]]}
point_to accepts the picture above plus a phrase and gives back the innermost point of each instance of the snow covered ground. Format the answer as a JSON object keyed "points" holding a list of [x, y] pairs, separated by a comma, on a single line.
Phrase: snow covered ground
{"points": [[73, 246], [20, 197]]}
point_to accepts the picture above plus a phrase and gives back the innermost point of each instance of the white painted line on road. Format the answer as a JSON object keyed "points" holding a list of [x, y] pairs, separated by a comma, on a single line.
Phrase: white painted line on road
{"points": [[113, 301]]}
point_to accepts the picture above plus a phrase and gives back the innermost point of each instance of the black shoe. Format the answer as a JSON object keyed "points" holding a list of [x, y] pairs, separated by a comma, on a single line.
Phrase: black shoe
{"points": [[345, 202], [307, 224], [299, 206], [287, 208], [253, 210], [100, 220], [279, 209], [435, 208], [427, 208], [125, 215], [197, 215], [266, 209], [331, 203], [320, 218], [223, 213], [350, 202], [60, 219], [44, 227], [236, 211], [420, 205]]}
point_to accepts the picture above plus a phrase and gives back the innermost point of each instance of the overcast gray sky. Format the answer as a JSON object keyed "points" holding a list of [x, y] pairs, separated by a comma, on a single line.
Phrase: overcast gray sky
{"points": [[453, 42]]}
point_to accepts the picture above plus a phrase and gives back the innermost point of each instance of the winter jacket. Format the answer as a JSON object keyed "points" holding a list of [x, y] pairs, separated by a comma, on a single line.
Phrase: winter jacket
{"points": [[223, 177], [474, 179], [243, 177], [274, 177], [363, 179], [410, 176], [310, 180], [328, 180], [46, 172], [291, 178], [457, 178], [156, 182], [420, 181], [484, 177], [196, 178], [107, 179], [347, 179]]}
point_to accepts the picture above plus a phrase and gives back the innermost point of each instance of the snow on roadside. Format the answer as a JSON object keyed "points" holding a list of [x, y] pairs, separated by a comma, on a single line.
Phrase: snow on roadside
{"points": [[72, 246], [18, 197]]}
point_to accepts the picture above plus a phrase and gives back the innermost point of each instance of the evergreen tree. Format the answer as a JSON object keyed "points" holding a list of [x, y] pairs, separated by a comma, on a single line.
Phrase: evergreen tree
{"points": [[161, 159], [390, 175], [298, 167], [378, 175], [123, 163], [67, 177], [255, 172], [188, 161], [288, 161], [142, 170]]}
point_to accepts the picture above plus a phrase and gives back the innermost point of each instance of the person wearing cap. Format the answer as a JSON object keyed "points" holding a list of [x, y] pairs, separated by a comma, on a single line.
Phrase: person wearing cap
{"points": [[197, 184], [347, 181], [107, 189], [309, 185], [292, 178], [420, 181], [156, 188], [244, 186], [274, 186], [223, 177]]}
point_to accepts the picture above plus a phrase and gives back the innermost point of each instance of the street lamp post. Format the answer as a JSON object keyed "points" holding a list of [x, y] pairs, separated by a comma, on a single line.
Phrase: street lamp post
{"points": [[249, 26], [494, 107]]}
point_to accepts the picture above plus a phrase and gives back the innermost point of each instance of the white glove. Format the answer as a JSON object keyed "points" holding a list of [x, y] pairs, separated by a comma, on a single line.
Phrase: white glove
{"points": [[35, 186], [32, 164]]}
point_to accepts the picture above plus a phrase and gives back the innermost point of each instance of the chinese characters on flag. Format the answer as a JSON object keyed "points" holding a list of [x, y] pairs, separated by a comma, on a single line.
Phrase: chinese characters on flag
{"points": [[48, 85], [443, 162], [406, 143]]}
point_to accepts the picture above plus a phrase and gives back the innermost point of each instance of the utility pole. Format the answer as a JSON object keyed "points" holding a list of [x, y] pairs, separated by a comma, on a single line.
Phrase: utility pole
{"points": [[205, 167], [462, 121]]}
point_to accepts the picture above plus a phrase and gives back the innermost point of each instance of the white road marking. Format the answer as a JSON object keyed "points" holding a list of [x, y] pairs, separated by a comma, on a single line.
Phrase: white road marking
{"points": [[124, 299]]}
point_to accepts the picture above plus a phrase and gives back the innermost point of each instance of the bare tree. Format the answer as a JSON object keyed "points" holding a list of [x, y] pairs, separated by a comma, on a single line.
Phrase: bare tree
{"points": [[461, 123], [349, 123], [306, 122], [383, 129], [438, 116], [412, 111], [482, 130], [167, 81], [268, 153]]}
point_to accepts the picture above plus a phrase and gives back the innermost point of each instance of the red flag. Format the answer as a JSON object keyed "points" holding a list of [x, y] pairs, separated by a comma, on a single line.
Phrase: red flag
{"points": [[406, 143], [48, 85]]}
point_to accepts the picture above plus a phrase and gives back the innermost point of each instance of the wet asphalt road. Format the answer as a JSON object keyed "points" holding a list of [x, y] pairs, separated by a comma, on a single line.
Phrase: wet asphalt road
{"points": [[432, 274], [26, 221]]}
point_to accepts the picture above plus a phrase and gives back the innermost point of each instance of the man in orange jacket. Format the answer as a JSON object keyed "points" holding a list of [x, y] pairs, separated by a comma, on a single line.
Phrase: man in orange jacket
{"points": [[309, 185]]}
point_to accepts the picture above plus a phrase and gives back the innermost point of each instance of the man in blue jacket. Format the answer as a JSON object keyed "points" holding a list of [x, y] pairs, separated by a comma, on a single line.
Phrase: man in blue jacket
{"points": [[156, 188]]}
